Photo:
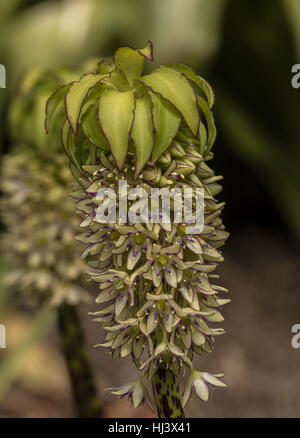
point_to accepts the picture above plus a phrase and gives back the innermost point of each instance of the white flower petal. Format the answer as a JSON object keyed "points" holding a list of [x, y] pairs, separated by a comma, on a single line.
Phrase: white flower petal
{"points": [[197, 337], [133, 257], [170, 276], [152, 321], [175, 350], [137, 394], [201, 389], [138, 346], [126, 349], [120, 304], [209, 378], [121, 390], [186, 394], [185, 336], [193, 244]]}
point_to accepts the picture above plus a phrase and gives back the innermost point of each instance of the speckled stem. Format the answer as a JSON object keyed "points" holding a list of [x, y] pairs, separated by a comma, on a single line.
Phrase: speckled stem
{"points": [[167, 393], [86, 401], [166, 388]]}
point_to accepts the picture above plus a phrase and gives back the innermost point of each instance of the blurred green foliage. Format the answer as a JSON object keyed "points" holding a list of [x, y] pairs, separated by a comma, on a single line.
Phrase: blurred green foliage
{"points": [[257, 106]]}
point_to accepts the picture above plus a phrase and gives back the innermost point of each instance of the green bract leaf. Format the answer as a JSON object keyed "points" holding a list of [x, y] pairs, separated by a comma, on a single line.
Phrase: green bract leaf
{"points": [[74, 99], [147, 51], [202, 138], [116, 112], [69, 143], [75, 172], [200, 82], [92, 128], [142, 132], [53, 103], [211, 128], [117, 79], [173, 86], [166, 121], [131, 61], [38, 119]]}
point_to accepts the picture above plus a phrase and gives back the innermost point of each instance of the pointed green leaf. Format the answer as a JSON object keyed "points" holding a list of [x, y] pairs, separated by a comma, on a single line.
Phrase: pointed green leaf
{"points": [[76, 95], [69, 143], [92, 128], [142, 132], [117, 79], [37, 132], [147, 51], [173, 86], [116, 113], [203, 138], [200, 82], [132, 61], [75, 172], [53, 103], [166, 121], [211, 127]]}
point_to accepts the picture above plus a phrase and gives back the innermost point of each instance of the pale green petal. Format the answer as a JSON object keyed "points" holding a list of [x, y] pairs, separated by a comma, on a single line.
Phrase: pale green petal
{"points": [[121, 390], [198, 338], [134, 256], [120, 304], [152, 321], [126, 349], [170, 276], [201, 389], [187, 394], [137, 394], [209, 378]]}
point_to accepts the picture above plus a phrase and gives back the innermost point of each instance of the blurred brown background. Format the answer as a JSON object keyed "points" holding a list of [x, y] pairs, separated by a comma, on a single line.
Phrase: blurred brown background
{"points": [[246, 49]]}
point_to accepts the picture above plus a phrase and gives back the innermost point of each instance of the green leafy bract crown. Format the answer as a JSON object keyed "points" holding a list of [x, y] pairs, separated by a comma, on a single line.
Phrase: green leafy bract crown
{"points": [[117, 109]]}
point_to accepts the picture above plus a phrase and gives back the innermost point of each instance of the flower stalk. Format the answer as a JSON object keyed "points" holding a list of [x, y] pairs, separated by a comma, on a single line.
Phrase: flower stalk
{"points": [[166, 391], [86, 401]]}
